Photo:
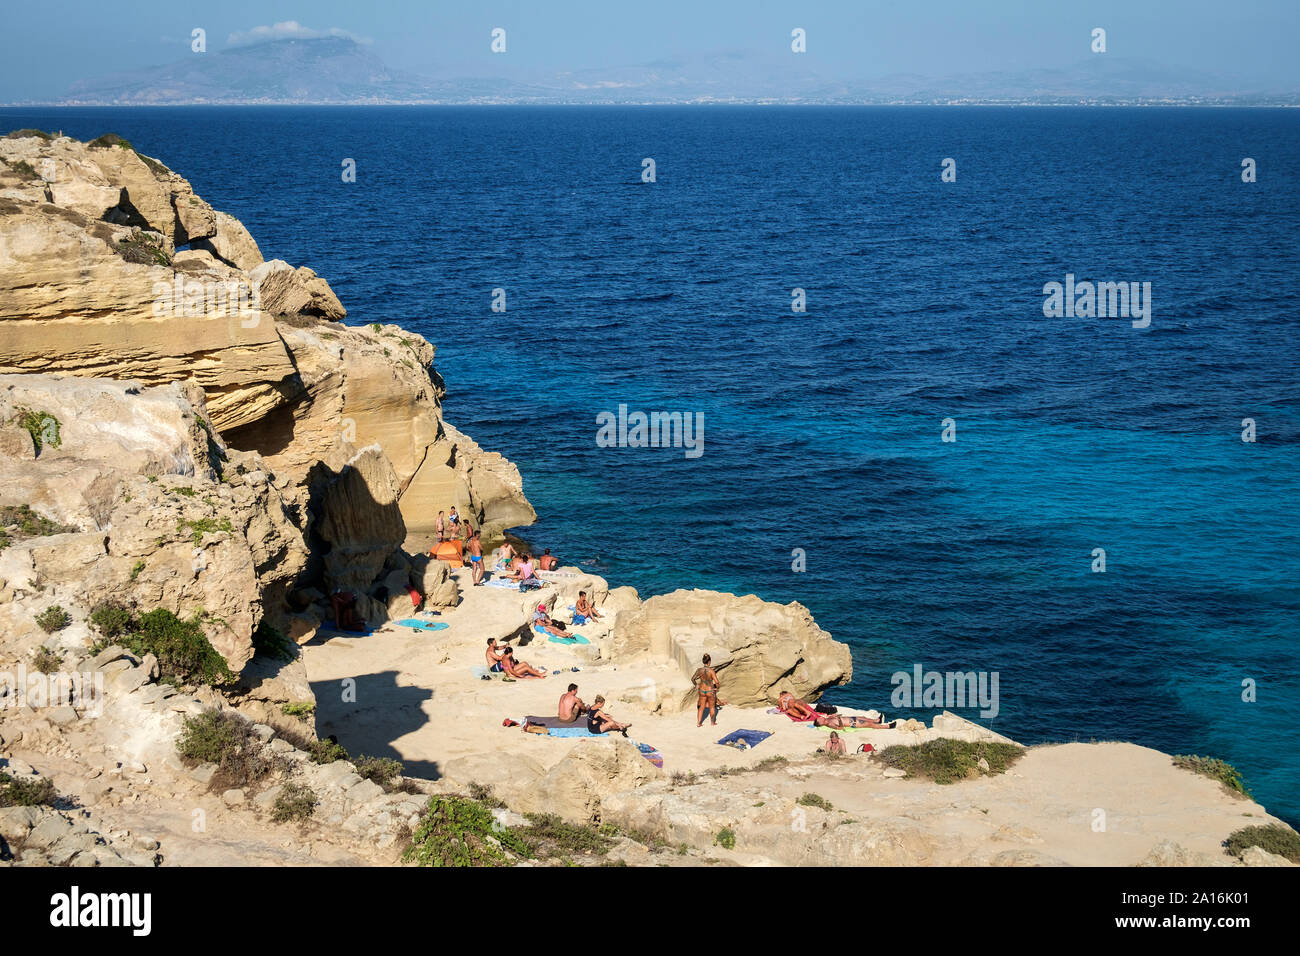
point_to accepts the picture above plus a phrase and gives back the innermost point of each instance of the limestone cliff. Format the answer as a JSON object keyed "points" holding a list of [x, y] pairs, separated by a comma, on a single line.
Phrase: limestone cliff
{"points": [[219, 426]]}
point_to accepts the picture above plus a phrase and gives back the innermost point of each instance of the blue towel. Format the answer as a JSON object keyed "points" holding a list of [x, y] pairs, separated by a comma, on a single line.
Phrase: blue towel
{"points": [[424, 625], [751, 737], [572, 732], [576, 639]]}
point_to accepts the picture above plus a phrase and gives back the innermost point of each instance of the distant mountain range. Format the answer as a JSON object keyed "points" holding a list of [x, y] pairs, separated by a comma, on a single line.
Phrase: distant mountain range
{"points": [[338, 70]]}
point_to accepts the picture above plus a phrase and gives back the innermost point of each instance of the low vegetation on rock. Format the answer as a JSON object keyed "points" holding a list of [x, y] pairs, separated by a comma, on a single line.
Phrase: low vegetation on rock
{"points": [[949, 761], [1274, 838], [226, 739], [1215, 769], [182, 649], [458, 831], [26, 792], [20, 521], [53, 619], [295, 803]]}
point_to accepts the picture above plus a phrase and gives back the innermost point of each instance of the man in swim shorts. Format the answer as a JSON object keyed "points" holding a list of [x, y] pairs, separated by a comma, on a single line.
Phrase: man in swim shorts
{"points": [[494, 656], [571, 705], [476, 557]]}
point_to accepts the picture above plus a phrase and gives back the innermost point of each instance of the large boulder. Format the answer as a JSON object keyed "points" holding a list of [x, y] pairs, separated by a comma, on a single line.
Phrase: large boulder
{"points": [[232, 243], [592, 770], [758, 648]]}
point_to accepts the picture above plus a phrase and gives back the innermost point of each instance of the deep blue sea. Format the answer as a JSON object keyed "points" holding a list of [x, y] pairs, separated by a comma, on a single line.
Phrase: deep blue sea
{"points": [[822, 429]]}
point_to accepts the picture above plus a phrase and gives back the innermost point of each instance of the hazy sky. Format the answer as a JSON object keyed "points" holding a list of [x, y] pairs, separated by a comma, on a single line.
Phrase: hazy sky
{"points": [[48, 44]]}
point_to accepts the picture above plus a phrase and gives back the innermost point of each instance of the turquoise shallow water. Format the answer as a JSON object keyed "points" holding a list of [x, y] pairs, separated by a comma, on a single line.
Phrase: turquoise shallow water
{"points": [[822, 431]]}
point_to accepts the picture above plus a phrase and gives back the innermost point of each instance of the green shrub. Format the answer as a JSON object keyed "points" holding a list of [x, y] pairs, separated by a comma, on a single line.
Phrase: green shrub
{"points": [[948, 761], [554, 836], [1274, 838], [1215, 769], [226, 739], [295, 803], [326, 751], [381, 770], [201, 526], [302, 710], [271, 642], [815, 800], [27, 523], [23, 168], [143, 250], [26, 792], [182, 649], [136, 569], [457, 831], [45, 661], [111, 620], [726, 839], [44, 428], [109, 139], [52, 619], [24, 133]]}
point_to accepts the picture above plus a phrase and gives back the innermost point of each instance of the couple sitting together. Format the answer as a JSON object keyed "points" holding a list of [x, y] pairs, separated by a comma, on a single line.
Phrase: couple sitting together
{"points": [[797, 709], [598, 721], [502, 661]]}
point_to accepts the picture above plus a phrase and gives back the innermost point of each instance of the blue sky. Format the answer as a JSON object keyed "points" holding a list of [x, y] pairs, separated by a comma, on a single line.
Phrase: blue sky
{"points": [[48, 45]]}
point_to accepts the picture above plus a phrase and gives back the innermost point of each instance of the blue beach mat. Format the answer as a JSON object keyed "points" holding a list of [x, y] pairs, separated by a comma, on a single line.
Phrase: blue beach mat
{"points": [[576, 639], [424, 625], [571, 732], [751, 737]]}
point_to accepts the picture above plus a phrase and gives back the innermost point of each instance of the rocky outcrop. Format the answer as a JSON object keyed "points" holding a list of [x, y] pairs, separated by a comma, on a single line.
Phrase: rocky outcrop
{"points": [[232, 244], [758, 648]]}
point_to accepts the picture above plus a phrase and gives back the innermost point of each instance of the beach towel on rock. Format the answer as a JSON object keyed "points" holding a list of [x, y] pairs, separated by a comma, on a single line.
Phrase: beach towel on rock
{"points": [[568, 731], [751, 737], [576, 639], [424, 625], [651, 754], [553, 723]]}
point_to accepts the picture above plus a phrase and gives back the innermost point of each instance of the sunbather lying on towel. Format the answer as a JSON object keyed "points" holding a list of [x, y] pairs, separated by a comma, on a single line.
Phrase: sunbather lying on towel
{"points": [[794, 708], [543, 621], [840, 721], [600, 722], [518, 669]]}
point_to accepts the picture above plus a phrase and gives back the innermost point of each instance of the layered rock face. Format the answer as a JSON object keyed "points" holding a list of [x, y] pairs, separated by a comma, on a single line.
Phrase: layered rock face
{"points": [[758, 648], [220, 427]]}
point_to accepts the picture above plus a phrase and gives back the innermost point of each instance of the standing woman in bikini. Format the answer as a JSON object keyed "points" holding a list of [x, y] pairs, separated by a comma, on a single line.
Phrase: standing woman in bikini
{"points": [[705, 680]]}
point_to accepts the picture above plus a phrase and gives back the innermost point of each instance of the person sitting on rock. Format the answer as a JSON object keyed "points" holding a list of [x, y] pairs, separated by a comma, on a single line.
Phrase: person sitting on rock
{"points": [[495, 654], [543, 621], [600, 722], [795, 708], [526, 574], [584, 611], [571, 705], [505, 557], [518, 669], [547, 562]]}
